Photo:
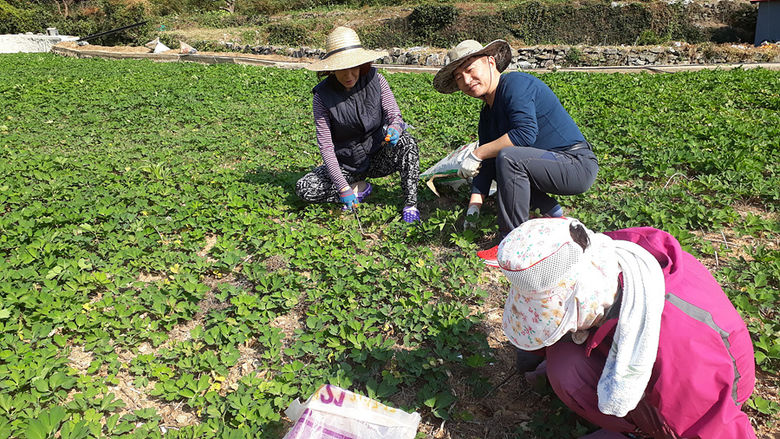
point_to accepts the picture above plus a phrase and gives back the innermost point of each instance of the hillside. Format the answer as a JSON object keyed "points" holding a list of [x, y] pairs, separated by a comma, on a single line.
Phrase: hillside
{"points": [[392, 24]]}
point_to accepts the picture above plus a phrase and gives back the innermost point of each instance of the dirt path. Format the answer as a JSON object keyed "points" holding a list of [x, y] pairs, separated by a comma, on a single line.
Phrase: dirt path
{"points": [[90, 51]]}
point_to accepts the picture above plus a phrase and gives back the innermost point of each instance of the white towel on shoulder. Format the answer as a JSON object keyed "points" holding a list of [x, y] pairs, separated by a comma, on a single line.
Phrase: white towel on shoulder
{"points": [[635, 343]]}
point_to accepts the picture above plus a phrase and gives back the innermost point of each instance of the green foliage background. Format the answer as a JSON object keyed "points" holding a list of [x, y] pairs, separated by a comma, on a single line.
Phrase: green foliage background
{"points": [[114, 169], [438, 24], [85, 18]]}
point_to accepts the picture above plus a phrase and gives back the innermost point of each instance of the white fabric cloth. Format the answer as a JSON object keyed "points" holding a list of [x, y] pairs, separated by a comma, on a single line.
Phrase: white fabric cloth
{"points": [[635, 343], [597, 284]]}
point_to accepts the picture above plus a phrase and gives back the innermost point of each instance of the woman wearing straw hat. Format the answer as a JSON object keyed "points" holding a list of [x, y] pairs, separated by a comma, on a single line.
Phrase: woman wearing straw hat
{"points": [[638, 336], [359, 127], [528, 142]]}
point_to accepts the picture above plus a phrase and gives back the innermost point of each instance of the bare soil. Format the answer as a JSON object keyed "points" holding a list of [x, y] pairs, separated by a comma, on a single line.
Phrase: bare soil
{"points": [[114, 49], [141, 49], [503, 412]]}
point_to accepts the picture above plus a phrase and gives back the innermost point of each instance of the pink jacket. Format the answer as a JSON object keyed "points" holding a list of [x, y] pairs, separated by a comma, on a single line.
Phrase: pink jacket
{"points": [[705, 368]]}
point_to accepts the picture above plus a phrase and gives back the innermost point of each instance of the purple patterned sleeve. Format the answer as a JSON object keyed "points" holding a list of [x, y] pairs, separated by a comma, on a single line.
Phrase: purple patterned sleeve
{"points": [[325, 142], [392, 116], [389, 106]]}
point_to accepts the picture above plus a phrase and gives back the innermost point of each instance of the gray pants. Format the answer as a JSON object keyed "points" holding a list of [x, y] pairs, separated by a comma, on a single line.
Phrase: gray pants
{"points": [[526, 176]]}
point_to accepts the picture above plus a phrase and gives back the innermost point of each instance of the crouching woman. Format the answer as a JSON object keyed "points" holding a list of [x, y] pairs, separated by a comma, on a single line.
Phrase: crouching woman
{"points": [[360, 131], [638, 336]]}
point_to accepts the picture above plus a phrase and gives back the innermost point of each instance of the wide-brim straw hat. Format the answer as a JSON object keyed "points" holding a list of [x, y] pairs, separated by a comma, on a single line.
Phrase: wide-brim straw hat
{"points": [[344, 51], [444, 82]]}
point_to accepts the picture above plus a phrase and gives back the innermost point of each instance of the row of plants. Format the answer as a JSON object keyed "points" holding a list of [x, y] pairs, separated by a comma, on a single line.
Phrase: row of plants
{"points": [[111, 184]]}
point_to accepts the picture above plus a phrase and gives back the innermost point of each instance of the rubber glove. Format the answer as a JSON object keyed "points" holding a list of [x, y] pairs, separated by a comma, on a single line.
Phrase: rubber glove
{"points": [[469, 167], [348, 198], [391, 135]]}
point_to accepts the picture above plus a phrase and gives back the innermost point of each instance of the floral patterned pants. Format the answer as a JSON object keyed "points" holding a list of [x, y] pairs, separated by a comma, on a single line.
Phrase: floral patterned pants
{"points": [[404, 158]]}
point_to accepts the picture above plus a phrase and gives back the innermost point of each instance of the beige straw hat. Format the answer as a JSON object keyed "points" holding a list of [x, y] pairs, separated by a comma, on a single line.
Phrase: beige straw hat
{"points": [[444, 82], [344, 51]]}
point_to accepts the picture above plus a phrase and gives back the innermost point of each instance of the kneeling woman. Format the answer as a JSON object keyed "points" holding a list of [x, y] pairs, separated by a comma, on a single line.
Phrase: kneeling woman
{"points": [[360, 132]]}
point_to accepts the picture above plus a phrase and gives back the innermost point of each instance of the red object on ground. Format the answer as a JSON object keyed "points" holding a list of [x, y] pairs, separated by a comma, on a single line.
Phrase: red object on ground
{"points": [[490, 256]]}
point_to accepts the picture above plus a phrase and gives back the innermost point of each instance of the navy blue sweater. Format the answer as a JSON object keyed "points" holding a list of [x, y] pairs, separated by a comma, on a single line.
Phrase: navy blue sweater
{"points": [[529, 111]]}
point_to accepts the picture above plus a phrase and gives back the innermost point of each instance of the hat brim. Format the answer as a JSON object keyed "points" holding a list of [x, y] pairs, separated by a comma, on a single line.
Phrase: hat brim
{"points": [[444, 82], [534, 324], [346, 60]]}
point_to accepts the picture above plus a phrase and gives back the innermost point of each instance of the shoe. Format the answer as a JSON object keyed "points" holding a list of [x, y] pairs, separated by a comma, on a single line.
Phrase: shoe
{"points": [[366, 192], [555, 212], [410, 214], [527, 361], [489, 256], [361, 195]]}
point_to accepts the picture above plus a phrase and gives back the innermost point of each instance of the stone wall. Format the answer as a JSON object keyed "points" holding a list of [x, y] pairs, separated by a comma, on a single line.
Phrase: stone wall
{"points": [[547, 57], [537, 57]]}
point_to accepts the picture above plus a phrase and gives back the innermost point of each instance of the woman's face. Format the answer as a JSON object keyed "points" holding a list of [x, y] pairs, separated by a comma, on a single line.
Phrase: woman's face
{"points": [[348, 77]]}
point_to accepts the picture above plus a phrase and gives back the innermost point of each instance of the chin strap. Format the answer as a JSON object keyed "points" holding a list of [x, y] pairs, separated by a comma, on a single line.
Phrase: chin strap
{"points": [[484, 95]]}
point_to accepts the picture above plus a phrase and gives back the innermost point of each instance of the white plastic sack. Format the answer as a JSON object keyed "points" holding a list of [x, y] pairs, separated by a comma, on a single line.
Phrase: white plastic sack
{"points": [[334, 413], [186, 49], [160, 48], [445, 171], [157, 46], [152, 44]]}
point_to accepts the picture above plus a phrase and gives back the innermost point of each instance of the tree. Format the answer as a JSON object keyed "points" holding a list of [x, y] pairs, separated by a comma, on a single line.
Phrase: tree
{"points": [[63, 6], [230, 6]]}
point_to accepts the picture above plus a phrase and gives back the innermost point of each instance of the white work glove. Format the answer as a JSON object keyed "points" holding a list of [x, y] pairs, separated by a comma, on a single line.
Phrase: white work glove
{"points": [[469, 167], [471, 213]]}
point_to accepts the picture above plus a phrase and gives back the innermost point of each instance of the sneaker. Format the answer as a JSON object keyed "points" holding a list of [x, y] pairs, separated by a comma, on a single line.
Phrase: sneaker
{"points": [[489, 256], [361, 195], [555, 212], [410, 214]]}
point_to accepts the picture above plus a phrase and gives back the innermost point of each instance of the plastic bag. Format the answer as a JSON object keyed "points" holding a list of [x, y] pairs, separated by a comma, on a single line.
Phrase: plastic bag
{"points": [[445, 171], [160, 48], [152, 44], [157, 46], [334, 413], [186, 49]]}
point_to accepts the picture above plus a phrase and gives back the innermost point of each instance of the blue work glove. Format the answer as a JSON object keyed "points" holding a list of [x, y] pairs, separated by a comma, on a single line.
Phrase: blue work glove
{"points": [[391, 135], [348, 198]]}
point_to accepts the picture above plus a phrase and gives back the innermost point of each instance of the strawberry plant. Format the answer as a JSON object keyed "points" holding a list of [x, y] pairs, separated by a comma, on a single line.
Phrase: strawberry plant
{"points": [[148, 221]]}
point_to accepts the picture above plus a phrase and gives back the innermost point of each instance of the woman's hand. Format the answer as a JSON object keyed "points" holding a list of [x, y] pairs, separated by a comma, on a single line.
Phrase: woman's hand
{"points": [[392, 134], [347, 196]]}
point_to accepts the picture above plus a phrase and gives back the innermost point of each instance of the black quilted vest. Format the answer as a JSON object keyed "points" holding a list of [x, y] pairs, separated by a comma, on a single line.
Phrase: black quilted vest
{"points": [[355, 119]]}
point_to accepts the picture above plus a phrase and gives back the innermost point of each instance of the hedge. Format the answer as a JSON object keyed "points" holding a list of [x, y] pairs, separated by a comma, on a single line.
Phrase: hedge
{"points": [[545, 22], [432, 24]]}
